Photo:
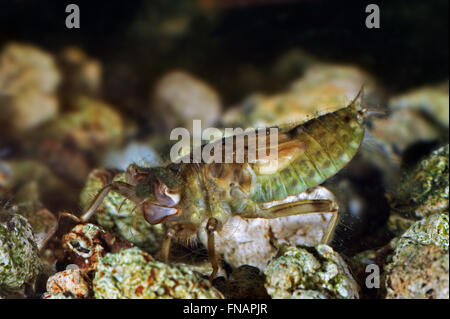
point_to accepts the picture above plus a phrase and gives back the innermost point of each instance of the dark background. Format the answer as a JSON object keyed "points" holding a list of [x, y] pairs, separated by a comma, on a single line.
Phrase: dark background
{"points": [[410, 49]]}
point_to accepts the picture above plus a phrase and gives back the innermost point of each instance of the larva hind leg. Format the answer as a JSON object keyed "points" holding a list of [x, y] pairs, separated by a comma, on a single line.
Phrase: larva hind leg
{"points": [[306, 207], [211, 227]]}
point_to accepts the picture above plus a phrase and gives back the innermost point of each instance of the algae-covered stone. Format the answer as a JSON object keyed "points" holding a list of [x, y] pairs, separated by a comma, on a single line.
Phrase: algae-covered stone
{"points": [[425, 189], [419, 266], [91, 125], [44, 224], [72, 142], [132, 273], [431, 230], [304, 273], [119, 214], [19, 260]]}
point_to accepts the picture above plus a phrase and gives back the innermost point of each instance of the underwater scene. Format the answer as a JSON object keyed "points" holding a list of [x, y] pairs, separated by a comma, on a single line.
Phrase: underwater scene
{"points": [[224, 149]]}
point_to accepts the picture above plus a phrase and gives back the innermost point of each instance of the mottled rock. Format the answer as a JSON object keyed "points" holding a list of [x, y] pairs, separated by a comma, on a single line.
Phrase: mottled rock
{"points": [[309, 273], [419, 265], [42, 221], [131, 273], [430, 230], [91, 125], [28, 81], [84, 245], [424, 190], [423, 275], [58, 295], [67, 284], [19, 260], [69, 143]]}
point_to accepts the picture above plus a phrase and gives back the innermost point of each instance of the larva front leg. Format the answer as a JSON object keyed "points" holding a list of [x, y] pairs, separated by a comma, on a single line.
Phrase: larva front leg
{"points": [[121, 188]]}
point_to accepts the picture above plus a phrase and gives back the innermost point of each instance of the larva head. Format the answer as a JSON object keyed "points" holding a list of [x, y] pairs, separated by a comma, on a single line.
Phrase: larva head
{"points": [[362, 111]]}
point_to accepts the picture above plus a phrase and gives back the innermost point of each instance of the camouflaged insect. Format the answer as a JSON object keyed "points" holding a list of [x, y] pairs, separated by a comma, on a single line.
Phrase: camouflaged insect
{"points": [[188, 195]]}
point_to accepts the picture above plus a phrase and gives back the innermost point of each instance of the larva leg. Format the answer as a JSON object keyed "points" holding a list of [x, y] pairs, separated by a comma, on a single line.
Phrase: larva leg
{"points": [[330, 228], [211, 226], [165, 246], [69, 215], [298, 207], [122, 188], [307, 207]]}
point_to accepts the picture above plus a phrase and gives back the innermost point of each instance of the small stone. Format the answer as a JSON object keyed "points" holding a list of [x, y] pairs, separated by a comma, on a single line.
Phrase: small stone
{"points": [[309, 273], [84, 245], [67, 284], [180, 98], [132, 273], [28, 82], [317, 272], [419, 265], [424, 190], [19, 260]]}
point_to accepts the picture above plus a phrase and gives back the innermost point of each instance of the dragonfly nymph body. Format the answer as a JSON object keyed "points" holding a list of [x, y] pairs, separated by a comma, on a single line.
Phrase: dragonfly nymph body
{"points": [[187, 196]]}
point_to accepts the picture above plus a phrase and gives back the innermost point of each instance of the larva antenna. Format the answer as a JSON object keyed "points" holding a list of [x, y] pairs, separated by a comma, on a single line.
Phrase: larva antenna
{"points": [[363, 109], [356, 103]]}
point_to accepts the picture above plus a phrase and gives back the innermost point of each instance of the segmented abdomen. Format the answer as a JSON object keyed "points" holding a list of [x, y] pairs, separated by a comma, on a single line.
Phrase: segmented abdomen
{"points": [[327, 144]]}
